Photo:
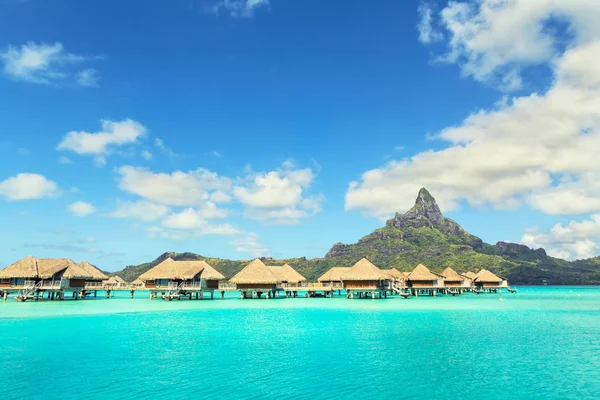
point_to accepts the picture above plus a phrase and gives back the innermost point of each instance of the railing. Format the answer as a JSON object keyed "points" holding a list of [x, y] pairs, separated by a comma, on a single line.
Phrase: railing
{"points": [[227, 286], [193, 285], [93, 285]]}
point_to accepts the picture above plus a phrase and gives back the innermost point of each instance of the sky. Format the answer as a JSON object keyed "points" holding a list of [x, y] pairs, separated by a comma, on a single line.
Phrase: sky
{"points": [[246, 128]]}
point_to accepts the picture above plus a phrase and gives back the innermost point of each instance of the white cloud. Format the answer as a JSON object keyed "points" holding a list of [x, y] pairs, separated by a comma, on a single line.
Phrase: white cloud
{"points": [[64, 160], [191, 218], [113, 134], [146, 155], [249, 243], [143, 210], [88, 77], [27, 186], [176, 189], [81, 208], [278, 196], [539, 149], [427, 33], [237, 8], [493, 40], [160, 144], [576, 240], [206, 229], [45, 64]]}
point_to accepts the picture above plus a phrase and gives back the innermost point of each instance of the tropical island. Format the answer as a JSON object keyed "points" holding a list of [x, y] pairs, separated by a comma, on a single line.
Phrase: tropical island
{"points": [[422, 235]]}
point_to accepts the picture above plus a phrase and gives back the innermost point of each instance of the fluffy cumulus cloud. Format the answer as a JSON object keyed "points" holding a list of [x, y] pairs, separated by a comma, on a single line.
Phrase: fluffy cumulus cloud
{"points": [[279, 197], [493, 40], [249, 243], [236, 8], [178, 188], [27, 186], [113, 134], [575, 240], [43, 63], [81, 209], [194, 218], [537, 149]]}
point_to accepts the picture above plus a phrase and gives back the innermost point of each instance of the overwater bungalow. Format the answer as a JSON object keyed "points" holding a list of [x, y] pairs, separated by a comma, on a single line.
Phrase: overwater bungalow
{"points": [[333, 277], [96, 282], [31, 278], [115, 283], [486, 280], [365, 279], [291, 280], [138, 284], [469, 274], [454, 282], [255, 279], [174, 279], [395, 274], [422, 281]]}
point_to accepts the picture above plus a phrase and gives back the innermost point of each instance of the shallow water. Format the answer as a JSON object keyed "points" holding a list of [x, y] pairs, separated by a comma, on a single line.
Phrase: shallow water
{"points": [[538, 343]]}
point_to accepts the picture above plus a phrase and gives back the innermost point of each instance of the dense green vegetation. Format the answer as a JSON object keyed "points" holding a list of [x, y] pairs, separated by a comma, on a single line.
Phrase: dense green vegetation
{"points": [[422, 236]]}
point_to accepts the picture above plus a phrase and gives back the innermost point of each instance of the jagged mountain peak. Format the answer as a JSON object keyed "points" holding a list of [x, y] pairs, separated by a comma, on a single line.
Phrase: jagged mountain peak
{"points": [[425, 212]]}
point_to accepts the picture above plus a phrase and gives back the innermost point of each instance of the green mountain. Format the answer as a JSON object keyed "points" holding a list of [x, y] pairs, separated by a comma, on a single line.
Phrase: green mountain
{"points": [[423, 235]]}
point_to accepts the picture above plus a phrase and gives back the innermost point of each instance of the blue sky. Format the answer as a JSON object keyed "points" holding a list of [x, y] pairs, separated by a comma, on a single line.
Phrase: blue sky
{"points": [[245, 127]]}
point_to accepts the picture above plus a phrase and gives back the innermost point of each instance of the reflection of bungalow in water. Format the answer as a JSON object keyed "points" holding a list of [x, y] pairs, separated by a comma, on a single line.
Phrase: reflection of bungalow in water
{"points": [[31, 278], [291, 280], [364, 279], [181, 278], [485, 280], [422, 281], [255, 279], [454, 282], [115, 283]]}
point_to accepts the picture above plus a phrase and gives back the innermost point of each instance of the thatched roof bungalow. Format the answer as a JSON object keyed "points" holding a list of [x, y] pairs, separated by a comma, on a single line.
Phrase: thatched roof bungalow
{"points": [[364, 277], [287, 274], [333, 277], [115, 282], [469, 274], [97, 276], [486, 279], [395, 274], [138, 284], [453, 279], [256, 277], [43, 274], [191, 273], [422, 278]]}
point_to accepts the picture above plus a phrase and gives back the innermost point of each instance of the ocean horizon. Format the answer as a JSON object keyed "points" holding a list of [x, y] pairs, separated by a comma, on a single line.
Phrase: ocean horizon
{"points": [[541, 342]]}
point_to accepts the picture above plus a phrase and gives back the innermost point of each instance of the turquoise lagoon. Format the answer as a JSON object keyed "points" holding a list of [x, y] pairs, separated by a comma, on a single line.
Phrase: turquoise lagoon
{"points": [[542, 342]]}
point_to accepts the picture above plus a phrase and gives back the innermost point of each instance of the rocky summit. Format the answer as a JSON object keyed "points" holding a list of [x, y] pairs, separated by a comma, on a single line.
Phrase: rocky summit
{"points": [[423, 235]]}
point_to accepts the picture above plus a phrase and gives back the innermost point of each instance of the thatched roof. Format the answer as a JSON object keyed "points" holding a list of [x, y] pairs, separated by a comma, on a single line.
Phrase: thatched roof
{"points": [[394, 273], [469, 274], [364, 270], [255, 273], [44, 268], [285, 273], [486, 276], [171, 269], [209, 273], [93, 271], [451, 275], [115, 280], [422, 273], [137, 282], [334, 274]]}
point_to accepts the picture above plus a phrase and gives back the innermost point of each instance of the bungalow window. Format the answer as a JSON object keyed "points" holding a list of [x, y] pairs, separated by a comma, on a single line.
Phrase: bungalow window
{"points": [[19, 281]]}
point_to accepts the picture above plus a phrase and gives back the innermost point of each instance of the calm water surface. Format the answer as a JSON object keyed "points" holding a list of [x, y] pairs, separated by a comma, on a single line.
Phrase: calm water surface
{"points": [[539, 343]]}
